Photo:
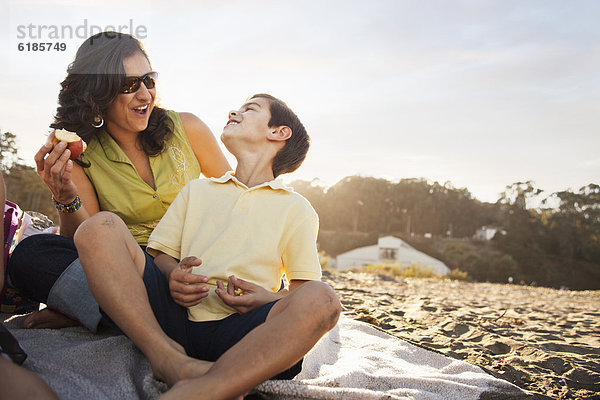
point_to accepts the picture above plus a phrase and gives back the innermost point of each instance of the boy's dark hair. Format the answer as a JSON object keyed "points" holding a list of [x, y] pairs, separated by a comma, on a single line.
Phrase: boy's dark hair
{"points": [[293, 153]]}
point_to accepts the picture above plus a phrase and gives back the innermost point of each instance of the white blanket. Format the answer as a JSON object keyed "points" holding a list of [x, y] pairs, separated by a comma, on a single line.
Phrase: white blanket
{"points": [[353, 361]]}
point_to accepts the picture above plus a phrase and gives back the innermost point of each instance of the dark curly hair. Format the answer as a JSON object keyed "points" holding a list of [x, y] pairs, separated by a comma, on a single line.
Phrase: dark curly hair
{"points": [[93, 82]]}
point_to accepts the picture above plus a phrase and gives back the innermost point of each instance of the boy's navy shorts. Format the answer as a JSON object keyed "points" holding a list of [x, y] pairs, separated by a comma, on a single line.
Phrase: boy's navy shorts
{"points": [[202, 340]]}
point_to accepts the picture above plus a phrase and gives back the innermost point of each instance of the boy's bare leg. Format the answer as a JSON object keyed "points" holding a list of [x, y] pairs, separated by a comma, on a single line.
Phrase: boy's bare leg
{"points": [[114, 266], [293, 326]]}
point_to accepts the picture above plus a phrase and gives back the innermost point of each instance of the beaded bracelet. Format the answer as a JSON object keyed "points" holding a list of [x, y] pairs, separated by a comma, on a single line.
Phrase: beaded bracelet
{"points": [[68, 208]]}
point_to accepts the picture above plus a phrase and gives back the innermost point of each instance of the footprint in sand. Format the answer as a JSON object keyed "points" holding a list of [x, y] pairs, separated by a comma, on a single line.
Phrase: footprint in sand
{"points": [[498, 348], [555, 364], [455, 329]]}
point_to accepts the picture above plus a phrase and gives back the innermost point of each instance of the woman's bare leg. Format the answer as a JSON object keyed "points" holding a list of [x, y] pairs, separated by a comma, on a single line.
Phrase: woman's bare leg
{"points": [[48, 319]]}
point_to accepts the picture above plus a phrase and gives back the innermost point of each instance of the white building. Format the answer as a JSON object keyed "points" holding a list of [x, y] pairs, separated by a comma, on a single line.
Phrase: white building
{"points": [[390, 249], [487, 233]]}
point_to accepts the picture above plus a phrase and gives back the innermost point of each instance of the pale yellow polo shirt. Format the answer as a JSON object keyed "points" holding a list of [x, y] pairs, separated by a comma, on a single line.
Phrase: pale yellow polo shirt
{"points": [[256, 234]]}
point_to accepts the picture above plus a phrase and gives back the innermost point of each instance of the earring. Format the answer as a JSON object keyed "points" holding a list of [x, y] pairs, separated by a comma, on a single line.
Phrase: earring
{"points": [[98, 122]]}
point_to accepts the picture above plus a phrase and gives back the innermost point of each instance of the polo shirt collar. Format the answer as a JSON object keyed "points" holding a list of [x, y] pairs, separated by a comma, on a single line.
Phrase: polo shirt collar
{"points": [[223, 179], [110, 147], [276, 184]]}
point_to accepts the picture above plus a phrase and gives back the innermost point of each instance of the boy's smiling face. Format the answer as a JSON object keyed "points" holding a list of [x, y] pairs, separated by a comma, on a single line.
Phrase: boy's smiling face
{"points": [[250, 123], [248, 135]]}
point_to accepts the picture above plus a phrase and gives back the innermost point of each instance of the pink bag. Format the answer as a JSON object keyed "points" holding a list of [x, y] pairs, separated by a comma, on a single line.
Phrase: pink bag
{"points": [[11, 300]]}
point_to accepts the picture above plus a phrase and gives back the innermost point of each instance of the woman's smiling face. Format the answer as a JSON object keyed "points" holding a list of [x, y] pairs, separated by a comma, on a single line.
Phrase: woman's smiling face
{"points": [[130, 111]]}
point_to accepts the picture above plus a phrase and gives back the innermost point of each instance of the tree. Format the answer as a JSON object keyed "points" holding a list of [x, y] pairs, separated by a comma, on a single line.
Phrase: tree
{"points": [[552, 246], [8, 151], [575, 227], [520, 195], [23, 186]]}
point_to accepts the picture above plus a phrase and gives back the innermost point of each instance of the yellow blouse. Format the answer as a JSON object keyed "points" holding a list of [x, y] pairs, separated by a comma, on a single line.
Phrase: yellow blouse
{"points": [[121, 190]]}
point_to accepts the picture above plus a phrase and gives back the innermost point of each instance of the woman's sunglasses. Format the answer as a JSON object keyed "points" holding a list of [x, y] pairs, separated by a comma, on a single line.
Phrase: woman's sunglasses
{"points": [[132, 83]]}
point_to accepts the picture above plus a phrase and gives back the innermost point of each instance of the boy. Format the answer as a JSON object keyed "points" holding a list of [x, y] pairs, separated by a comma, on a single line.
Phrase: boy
{"points": [[243, 225]]}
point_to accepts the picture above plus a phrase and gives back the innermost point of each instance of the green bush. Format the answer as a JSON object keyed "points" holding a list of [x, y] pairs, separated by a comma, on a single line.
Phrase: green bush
{"points": [[458, 275]]}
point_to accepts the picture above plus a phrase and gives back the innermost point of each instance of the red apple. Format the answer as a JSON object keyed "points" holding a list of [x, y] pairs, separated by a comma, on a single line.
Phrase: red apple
{"points": [[76, 145]]}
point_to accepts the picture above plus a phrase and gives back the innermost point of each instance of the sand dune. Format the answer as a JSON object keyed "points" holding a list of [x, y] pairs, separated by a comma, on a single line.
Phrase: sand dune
{"points": [[544, 340]]}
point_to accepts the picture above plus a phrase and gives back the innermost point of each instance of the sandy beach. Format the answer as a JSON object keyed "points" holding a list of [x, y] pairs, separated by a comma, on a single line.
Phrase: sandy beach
{"points": [[546, 341]]}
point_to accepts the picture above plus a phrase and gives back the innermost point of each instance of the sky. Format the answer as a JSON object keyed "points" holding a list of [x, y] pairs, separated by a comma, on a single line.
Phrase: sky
{"points": [[478, 93]]}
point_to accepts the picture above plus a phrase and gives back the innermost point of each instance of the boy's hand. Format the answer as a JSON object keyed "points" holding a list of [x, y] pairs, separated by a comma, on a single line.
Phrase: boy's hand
{"points": [[186, 288], [242, 295]]}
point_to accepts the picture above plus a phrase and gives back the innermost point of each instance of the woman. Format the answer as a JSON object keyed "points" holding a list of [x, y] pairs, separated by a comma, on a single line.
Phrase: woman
{"points": [[138, 158]]}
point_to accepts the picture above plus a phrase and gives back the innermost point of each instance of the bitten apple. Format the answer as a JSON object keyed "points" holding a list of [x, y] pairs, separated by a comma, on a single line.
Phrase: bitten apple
{"points": [[76, 145]]}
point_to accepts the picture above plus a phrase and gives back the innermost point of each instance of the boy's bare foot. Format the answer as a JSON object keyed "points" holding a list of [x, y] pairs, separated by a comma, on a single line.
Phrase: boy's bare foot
{"points": [[178, 366], [192, 389], [48, 319]]}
